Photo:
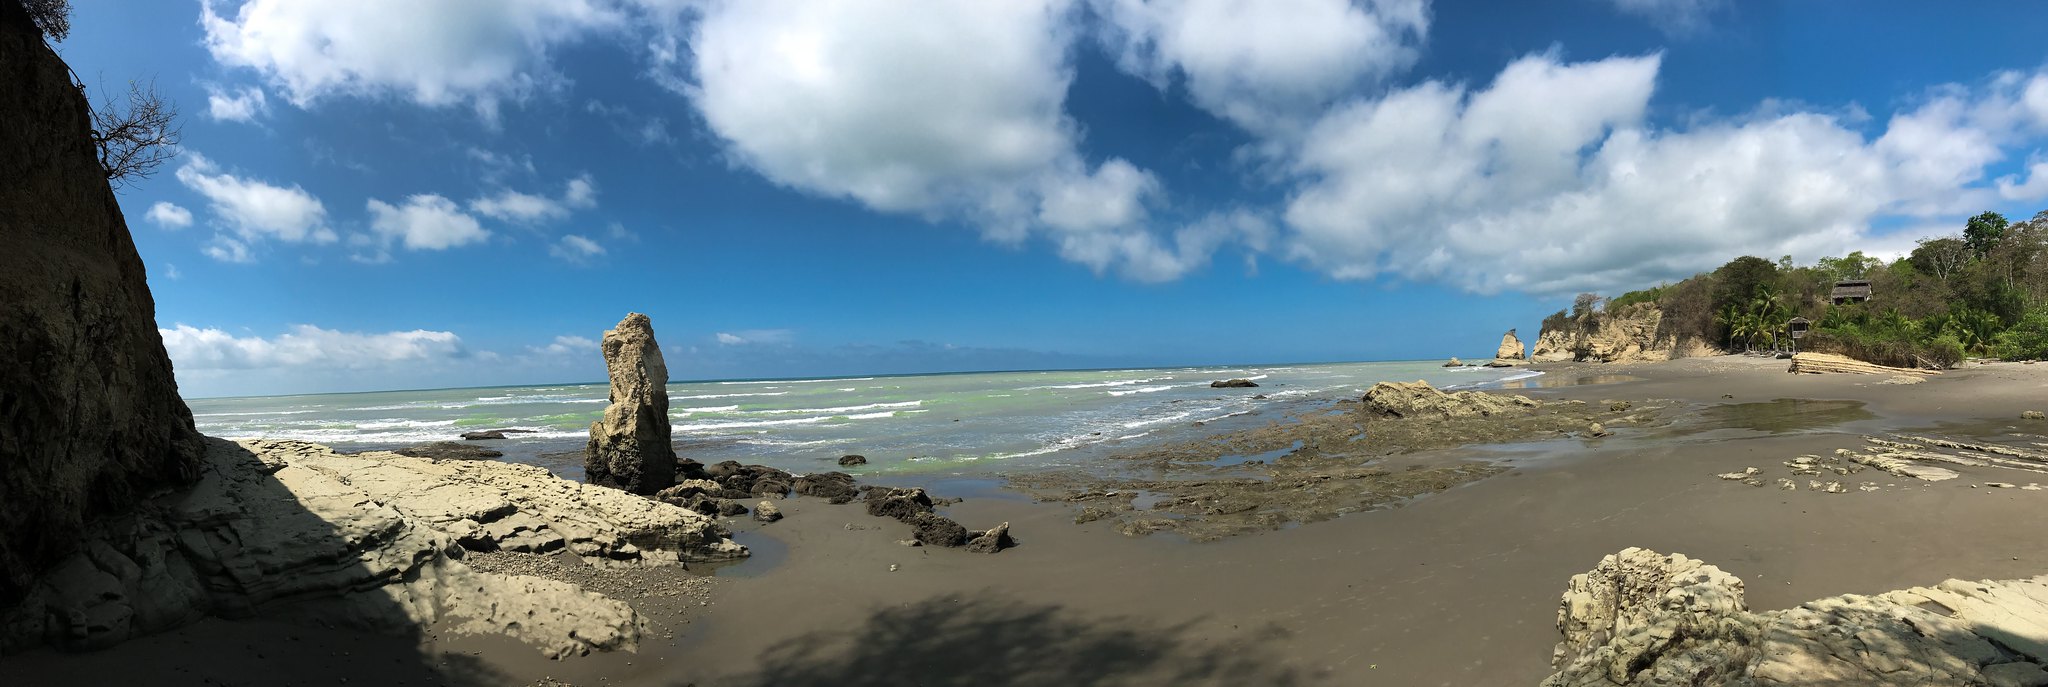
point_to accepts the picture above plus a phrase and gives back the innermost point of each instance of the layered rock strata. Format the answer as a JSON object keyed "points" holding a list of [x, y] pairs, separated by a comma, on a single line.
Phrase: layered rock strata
{"points": [[1641, 618], [1419, 399], [629, 447]]}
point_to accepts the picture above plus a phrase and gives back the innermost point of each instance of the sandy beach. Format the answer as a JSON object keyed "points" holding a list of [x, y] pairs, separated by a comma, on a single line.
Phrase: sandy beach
{"points": [[1453, 588]]}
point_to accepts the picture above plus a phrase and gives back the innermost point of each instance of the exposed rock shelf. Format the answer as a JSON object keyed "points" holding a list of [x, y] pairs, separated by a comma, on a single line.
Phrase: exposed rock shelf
{"points": [[1818, 363], [372, 540], [1641, 618]]}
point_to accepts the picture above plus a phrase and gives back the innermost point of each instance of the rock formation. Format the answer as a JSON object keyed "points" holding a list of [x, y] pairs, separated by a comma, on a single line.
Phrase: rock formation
{"points": [[1818, 363], [1645, 619], [1233, 384], [1625, 334], [90, 419], [372, 541], [1419, 399], [629, 448], [1510, 347]]}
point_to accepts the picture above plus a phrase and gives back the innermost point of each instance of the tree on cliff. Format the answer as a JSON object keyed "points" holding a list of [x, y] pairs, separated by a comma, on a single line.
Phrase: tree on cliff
{"points": [[135, 139], [52, 17]]}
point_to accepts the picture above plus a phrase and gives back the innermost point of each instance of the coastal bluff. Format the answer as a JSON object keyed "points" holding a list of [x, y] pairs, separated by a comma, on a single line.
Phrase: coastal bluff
{"points": [[1631, 333], [90, 418]]}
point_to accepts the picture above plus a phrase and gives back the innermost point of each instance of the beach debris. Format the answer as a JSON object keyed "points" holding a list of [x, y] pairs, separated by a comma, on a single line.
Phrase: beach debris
{"points": [[909, 542], [852, 460], [892, 567], [2000, 485], [1233, 384], [629, 447], [2032, 415], [1834, 487], [1786, 484], [995, 539], [1804, 465], [1818, 363], [1619, 620], [1867, 486], [1745, 474], [767, 511], [1419, 399]]}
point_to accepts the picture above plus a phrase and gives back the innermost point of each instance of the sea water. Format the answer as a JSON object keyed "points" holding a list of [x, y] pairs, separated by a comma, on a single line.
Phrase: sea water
{"points": [[950, 423]]}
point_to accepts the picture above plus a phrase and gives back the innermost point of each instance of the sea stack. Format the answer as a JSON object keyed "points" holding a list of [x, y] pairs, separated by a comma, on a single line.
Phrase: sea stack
{"points": [[629, 448], [1510, 347]]}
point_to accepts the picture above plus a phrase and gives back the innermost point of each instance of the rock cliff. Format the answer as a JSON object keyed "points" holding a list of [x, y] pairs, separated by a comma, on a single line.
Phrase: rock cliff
{"points": [[90, 419], [629, 447], [1641, 618], [1626, 334], [372, 541]]}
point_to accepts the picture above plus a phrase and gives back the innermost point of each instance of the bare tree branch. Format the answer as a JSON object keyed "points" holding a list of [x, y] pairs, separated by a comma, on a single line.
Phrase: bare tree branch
{"points": [[52, 17], [137, 138]]}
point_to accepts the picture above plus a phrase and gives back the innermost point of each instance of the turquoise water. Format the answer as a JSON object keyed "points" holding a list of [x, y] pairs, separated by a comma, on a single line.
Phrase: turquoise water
{"points": [[979, 422]]}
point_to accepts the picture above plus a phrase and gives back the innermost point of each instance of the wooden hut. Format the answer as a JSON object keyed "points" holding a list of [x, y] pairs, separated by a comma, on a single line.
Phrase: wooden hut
{"points": [[1851, 291]]}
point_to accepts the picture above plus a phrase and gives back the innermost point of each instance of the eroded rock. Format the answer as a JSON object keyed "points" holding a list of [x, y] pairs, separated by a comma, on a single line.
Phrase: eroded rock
{"points": [[629, 447], [1510, 347], [1419, 399]]}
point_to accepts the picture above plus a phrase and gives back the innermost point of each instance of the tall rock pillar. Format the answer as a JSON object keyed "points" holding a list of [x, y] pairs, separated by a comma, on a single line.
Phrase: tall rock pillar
{"points": [[629, 449], [1510, 347]]}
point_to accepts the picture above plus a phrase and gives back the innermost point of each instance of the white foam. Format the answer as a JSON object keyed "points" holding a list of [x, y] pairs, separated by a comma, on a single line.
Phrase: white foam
{"points": [[1158, 420], [703, 409], [804, 381], [705, 396], [740, 424], [841, 409], [1139, 390]]}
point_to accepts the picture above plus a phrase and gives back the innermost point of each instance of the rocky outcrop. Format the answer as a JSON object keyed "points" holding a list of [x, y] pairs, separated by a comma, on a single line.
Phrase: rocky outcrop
{"points": [[90, 419], [914, 507], [852, 460], [995, 539], [1455, 363], [1420, 400], [1821, 363], [1233, 384], [490, 434], [629, 447], [372, 540], [1641, 618], [1510, 347], [449, 450], [1629, 333]]}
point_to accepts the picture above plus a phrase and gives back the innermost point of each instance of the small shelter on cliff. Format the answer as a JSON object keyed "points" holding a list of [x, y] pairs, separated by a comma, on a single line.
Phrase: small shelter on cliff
{"points": [[1850, 291]]}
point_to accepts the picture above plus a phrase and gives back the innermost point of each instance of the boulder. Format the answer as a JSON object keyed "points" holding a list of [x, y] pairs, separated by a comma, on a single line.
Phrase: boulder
{"points": [[449, 450], [1420, 400], [1455, 363], [767, 511], [629, 447], [90, 418], [1233, 384], [995, 539], [836, 487], [1510, 347], [915, 508], [1641, 618], [849, 461], [2032, 415], [489, 434], [937, 530]]}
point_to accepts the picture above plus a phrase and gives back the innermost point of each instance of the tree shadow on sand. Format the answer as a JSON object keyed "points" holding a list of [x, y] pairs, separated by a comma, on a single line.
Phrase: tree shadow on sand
{"points": [[989, 640]]}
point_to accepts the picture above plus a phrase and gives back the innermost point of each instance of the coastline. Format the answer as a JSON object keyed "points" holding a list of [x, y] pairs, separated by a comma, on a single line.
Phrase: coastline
{"points": [[1456, 586]]}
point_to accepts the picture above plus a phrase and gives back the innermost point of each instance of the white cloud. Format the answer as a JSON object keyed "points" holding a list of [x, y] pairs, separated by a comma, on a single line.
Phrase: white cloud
{"points": [[171, 271], [305, 345], [1676, 17], [1268, 66], [169, 215], [1549, 181], [581, 192], [439, 53], [2035, 187], [255, 209], [425, 222], [513, 206], [567, 345], [756, 336], [576, 249], [226, 249], [813, 96], [242, 105]]}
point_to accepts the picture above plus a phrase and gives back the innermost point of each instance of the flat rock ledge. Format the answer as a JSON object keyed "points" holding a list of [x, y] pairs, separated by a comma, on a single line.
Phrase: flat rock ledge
{"points": [[372, 541], [1642, 618]]}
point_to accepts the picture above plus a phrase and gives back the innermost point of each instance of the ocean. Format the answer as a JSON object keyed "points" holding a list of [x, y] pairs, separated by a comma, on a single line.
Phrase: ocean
{"points": [[971, 423]]}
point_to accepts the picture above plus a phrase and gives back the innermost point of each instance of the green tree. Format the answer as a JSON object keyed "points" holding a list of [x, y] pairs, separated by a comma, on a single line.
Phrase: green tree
{"points": [[1983, 231], [1942, 257], [1853, 266]]}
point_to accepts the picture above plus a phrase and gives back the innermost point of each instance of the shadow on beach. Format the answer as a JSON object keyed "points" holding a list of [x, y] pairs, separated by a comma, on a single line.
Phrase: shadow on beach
{"points": [[991, 640]]}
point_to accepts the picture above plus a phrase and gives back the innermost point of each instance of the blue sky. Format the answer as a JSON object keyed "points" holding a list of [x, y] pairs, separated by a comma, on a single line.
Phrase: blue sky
{"points": [[400, 195]]}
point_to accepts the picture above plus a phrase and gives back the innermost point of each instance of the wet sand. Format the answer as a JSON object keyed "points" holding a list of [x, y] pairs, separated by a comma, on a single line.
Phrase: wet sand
{"points": [[1454, 588]]}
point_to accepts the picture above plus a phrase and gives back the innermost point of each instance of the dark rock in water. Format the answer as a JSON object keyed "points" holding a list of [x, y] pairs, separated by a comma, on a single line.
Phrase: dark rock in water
{"points": [[90, 419], [937, 530], [488, 434], [837, 487], [449, 450], [742, 480], [629, 447], [1233, 384], [853, 460], [996, 539], [1259, 397]]}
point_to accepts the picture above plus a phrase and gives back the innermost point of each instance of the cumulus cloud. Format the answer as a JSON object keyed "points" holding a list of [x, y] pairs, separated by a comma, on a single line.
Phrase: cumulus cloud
{"points": [[448, 52], [581, 192], [1676, 17], [1549, 180], [513, 206], [755, 336], [169, 215], [567, 345], [240, 105], [576, 249], [425, 222], [193, 349], [956, 112], [227, 249], [1267, 66], [257, 210]]}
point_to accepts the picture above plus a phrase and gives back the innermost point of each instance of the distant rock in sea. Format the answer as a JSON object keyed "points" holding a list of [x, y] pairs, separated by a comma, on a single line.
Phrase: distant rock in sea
{"points": [[1455, 363], [629, 447], [488, 434], [1233, 384]]}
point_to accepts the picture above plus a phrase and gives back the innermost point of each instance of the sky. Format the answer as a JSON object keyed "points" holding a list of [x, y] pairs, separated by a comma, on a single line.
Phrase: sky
{"points": [[384, 195]]}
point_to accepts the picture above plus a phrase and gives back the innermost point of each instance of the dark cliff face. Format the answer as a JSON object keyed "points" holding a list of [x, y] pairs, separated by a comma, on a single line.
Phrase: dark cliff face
{"points": [[90, 418]]}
